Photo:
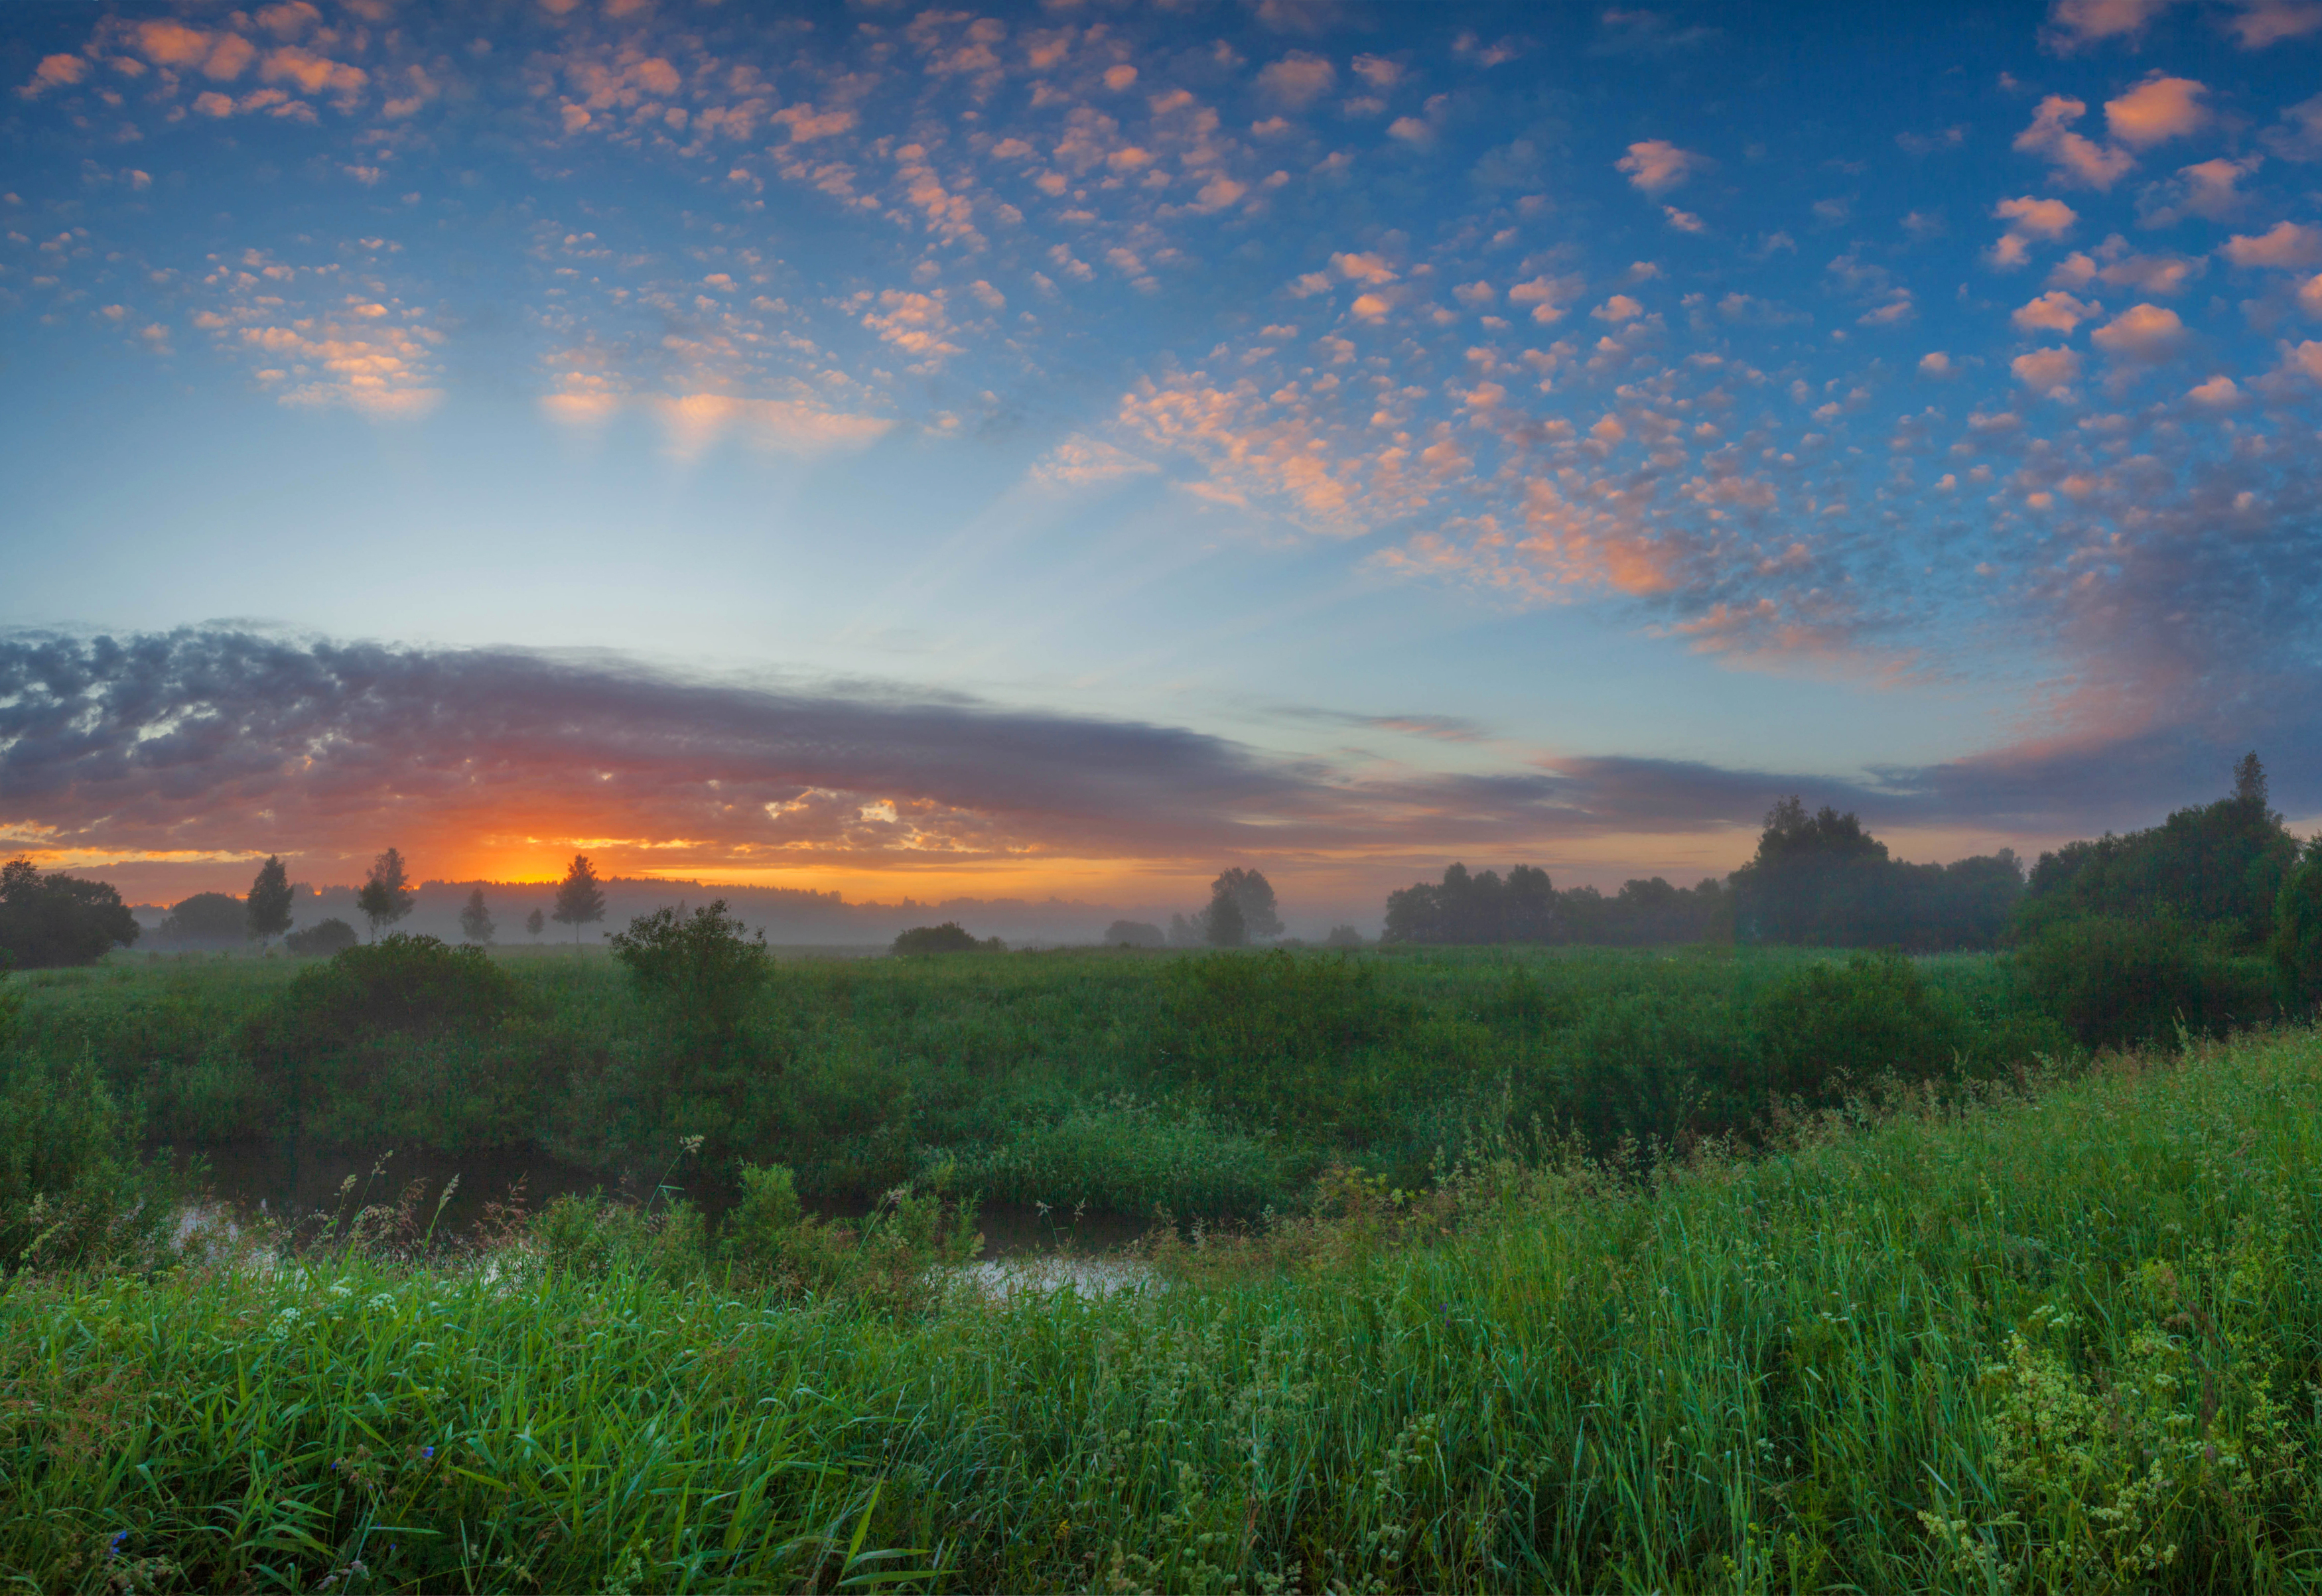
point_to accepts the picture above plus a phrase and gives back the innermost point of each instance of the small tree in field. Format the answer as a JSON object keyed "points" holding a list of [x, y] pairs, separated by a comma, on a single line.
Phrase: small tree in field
{"points": [[1223, 923], [267, 907], [534, 921], [386, 896], [476, 920], [579, 901], [700, 968]]}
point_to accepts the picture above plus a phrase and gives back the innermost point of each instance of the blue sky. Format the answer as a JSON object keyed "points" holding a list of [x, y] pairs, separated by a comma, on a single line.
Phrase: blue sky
{"points": [[1382, 433]]}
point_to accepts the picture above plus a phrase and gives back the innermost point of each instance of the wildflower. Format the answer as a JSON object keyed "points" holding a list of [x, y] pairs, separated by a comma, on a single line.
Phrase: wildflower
{"points": [[426, 1454], [113, 1548]]}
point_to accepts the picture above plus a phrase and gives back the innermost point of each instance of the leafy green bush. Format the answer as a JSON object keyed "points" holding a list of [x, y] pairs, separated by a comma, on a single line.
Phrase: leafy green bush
{"points": [[700, 970], [1127, 1157], [1243, 1015], [389, 1039], [596, 1236], [321, 941], [397, 983], [2118, 983], [950, 937], [2296, 946], [72, 1187], [1829, 1024]]}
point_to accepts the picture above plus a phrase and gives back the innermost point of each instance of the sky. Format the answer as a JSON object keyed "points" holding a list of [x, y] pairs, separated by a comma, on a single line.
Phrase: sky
{"points": [[1063, 450]]}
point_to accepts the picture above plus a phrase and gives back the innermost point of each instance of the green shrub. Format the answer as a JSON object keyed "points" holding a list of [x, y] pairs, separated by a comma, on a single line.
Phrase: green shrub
{"points": [[889, 1258], [950, 937], [597, 1236], [2296, 946], [699, 970], [398, 983], [72, 1187], [321, 941], [2118, 983], [1829, 1024], [1126, 1157]]}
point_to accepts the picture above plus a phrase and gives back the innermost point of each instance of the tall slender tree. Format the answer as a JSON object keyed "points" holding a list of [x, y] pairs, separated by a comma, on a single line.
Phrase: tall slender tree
{"points": [[268, 909], [533, 922], [386, 896], [579, 899], [476, 920]]}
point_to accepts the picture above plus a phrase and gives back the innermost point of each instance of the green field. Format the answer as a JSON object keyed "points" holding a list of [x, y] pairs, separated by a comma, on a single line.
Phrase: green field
{"points": [[2066, 1341], [1215, 1085]]}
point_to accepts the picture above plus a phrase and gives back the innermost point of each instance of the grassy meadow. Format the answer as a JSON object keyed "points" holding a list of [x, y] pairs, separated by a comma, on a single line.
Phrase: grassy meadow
{"points": [[1506, 1268], [2059, 1336], [1211, 1085]]}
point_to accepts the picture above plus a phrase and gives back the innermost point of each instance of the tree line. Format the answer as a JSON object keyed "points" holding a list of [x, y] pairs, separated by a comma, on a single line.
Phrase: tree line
{"points": [[51, 918]]}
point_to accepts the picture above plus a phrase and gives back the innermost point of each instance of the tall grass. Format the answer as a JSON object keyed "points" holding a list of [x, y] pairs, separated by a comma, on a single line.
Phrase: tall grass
{"points": [[2066, 1342], [860, 1074]]}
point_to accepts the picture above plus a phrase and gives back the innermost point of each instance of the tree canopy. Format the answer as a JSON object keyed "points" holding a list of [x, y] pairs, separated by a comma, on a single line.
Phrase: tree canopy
{"points": [[386, 896], [266, 912], [579, 901], [2217, 868], [206, 919], [476, 924], [56, 919], [1823, 881]]}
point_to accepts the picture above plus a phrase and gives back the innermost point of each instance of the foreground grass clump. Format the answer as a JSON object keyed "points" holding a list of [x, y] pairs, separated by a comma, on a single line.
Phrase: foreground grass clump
{"points": [[2067, 1344]]}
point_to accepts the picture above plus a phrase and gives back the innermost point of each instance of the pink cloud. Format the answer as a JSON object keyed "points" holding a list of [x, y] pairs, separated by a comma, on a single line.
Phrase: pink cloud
{"points": [[2157, 109], [2141, 333], [1369, 269], [2076, 24], [2054, 311], [2048, 371], [172, 44], [55, 71], [2074, 159], [1656, 164], [2285, 244], [1298, 78], [2027, 219], [2262, 22]]}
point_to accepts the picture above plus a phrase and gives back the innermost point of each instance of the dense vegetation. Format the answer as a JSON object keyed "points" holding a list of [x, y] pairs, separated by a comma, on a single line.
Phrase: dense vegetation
{"points": [[1208, 1083], [2059, 1343]]}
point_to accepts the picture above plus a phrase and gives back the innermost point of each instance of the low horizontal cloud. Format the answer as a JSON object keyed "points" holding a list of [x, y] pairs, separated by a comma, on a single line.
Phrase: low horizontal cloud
{"points": [[213, 744]]}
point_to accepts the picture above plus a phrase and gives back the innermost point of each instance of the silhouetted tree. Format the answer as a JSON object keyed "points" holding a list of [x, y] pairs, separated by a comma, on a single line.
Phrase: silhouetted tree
{"points": [[334, 935], [579, 899], [1254, 896], [950, 937], [386, 896], [266, 912], [1222, 925], [1134, 933], [206, 919], [1343, 937], [46, 921], [2219, 867], [1475, 909], [534, 921], [476, 920], [1184, 933]]}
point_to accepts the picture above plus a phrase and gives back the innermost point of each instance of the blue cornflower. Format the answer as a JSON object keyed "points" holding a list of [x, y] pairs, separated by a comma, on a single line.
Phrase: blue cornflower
{"points": [[426, 1454], [114, 1550]]}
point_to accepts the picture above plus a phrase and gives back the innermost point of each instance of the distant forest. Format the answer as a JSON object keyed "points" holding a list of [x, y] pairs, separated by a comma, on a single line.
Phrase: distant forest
{"points": [[2227, 876], [2215, 871]]}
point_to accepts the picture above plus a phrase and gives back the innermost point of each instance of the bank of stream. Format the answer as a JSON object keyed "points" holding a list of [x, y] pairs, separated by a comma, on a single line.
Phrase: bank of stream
{"points": [[287, 1183]]}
